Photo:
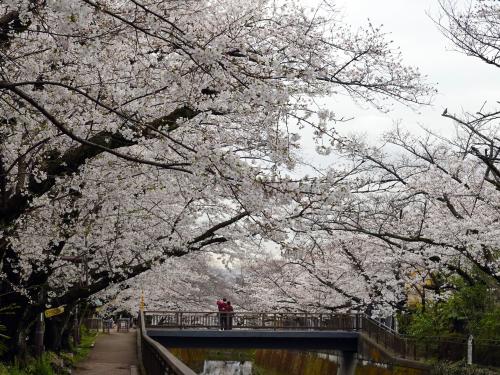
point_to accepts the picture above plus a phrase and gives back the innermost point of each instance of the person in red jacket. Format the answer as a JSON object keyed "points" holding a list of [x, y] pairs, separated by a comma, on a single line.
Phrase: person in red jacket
{"points": [[221, 305]]}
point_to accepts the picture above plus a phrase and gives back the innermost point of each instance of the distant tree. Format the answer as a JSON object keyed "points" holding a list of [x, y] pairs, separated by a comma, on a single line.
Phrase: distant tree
{"points": [[473, 28], [426, 207]]}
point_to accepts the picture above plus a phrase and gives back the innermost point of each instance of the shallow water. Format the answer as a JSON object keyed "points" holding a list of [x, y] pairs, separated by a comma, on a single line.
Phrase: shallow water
{"points": [[227, 368], [276, 362]]}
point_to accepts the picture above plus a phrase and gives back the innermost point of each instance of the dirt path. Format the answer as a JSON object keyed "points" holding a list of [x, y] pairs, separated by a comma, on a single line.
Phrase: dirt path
{"points": [[113, 354]]}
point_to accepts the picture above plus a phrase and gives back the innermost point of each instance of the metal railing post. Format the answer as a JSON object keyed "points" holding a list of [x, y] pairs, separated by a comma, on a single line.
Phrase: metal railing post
{"points": [[470, 341]]}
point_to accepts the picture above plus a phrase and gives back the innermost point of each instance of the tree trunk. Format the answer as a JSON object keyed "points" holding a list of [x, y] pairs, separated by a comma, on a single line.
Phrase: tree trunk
{"points": [[18, 318], [23, 337], [58, 332]]}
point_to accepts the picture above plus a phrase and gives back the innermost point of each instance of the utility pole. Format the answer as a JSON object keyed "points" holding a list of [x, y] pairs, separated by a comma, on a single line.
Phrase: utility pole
{"points": [[40, 326], [76, 328], [39, 334]]}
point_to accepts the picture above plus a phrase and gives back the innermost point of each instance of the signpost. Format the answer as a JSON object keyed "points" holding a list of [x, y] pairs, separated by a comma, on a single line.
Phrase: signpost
{"points": [[53, 312]]}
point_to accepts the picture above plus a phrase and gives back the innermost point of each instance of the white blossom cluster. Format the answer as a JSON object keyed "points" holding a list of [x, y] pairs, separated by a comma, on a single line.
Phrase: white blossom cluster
{"points": [[132, 132]]}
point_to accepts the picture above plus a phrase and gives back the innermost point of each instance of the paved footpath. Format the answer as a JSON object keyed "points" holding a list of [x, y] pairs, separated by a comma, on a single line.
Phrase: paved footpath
{"points": [[113, 354]]}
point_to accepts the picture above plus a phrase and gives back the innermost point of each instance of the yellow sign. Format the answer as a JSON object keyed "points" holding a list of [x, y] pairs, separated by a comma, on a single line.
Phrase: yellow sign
{"points": [[53, 312], [141, 304]]}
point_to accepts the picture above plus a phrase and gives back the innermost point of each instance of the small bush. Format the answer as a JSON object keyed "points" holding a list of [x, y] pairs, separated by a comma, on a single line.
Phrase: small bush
{"points": [[86, 345], [15, 370], [3, 370], [459, 368], [42, 366]]}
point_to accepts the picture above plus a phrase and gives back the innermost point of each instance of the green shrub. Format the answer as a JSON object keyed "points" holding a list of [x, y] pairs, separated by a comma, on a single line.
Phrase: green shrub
{"points": [[459, 368], [472, 309], [42, 366], [3, 370], [15, 370], [87, 343]]}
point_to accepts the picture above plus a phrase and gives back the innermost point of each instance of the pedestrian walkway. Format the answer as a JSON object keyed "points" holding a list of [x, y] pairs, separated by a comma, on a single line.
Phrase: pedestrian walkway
{"points": [[113, 354]]}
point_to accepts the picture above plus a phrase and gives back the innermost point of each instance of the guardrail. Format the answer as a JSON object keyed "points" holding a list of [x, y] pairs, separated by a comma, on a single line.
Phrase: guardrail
{"points": [[484, 352], [155, 358], [93, 324], [251, 320]]}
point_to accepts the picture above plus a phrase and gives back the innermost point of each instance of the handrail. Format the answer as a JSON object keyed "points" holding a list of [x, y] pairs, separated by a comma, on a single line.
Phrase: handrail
{"points": [[256, 320], [156, 358], [246, 312], [312, 315], [401, 346], [379, 324], [243, 312]]}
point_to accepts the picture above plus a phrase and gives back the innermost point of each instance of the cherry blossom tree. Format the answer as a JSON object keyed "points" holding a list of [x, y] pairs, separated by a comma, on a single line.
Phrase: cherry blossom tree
{"points": [[390, 220], [472, 27], [423, 207], [133, 132], [190, 283], [337, 274], [427, 211]]}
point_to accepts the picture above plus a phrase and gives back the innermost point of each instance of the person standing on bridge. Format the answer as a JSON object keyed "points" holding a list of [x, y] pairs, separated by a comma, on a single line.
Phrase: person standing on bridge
{"points": [[222, 305], [229, 315]]}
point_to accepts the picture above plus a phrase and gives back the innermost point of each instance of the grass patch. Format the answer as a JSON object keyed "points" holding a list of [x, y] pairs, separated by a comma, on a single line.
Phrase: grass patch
{"points": [[40, 366], [82, 351], [460, 368], [51, 363]]}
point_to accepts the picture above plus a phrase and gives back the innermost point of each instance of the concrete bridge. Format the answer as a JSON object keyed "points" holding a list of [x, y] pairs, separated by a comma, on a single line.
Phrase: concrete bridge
{"points": [[349, 338], [257, 339], [350, 335]]}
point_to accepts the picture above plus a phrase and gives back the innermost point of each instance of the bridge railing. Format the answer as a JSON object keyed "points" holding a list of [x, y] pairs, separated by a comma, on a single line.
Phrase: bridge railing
{"points": [[401, 346], [485, 352], [251, 320], [93, 324], [155, 358], [408, 347]]}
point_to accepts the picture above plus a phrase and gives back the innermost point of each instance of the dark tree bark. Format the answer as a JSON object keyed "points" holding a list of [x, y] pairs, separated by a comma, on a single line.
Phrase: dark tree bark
{"points": [[58, 331]]}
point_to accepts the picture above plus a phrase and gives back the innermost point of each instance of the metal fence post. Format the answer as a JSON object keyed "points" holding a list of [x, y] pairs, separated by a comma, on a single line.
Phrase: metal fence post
{"points": [[469, 349]]}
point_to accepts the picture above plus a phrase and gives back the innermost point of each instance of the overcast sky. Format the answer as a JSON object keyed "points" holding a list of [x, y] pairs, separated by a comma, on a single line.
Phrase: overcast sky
{"points": [[463, 83]]}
